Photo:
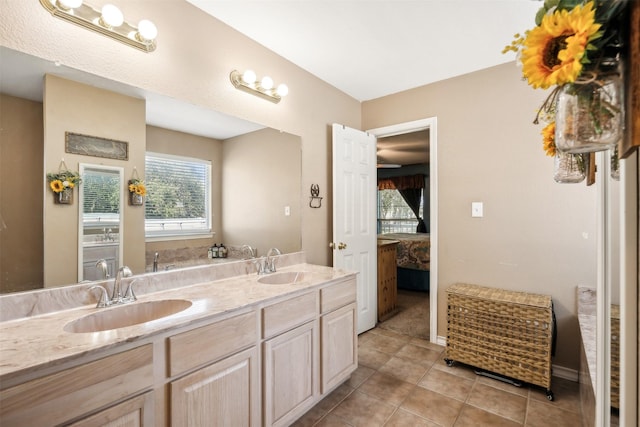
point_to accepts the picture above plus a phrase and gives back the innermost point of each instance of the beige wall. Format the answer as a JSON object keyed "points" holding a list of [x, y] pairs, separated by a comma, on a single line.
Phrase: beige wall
{"points": [[193, 60], [536, 235], [78, 108], [20, 194], [254, 198]]}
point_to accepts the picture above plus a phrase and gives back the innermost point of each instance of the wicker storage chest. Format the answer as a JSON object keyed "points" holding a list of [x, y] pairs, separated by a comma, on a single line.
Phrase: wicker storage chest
{"points": [[504, 332]]}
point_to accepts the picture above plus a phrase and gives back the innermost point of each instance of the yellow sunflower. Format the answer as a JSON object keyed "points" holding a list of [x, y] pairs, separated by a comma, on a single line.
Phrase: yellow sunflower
{"points": [[56, 186], [132, 188], [141, 189], [554, 51], [549, 139]]}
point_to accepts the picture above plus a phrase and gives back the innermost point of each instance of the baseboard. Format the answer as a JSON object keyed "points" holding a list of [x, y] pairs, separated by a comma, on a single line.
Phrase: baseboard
{"points": [[557, 371], [564, 373]]}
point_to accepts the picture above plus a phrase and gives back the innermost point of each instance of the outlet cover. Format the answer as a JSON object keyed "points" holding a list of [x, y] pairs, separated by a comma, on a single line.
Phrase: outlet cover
{"points": [[476, 209]]}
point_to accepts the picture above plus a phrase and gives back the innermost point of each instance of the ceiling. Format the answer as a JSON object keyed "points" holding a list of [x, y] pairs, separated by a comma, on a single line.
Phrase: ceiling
{"points": [[372, 48]]}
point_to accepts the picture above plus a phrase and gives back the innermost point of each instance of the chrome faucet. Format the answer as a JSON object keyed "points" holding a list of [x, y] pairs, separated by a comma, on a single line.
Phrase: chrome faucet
{"points": [[271, 261], [155, 262], [116, 296], [101, 265], [249, 249]]}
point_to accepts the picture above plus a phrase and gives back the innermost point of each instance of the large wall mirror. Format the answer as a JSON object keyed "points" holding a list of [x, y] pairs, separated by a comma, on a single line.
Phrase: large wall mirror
{"points": [[249, 202]]}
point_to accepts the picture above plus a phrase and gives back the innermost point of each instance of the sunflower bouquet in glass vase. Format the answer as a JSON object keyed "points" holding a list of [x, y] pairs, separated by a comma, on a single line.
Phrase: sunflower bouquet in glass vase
{"points": [[137, 191], [62, 184], [575, 49]]}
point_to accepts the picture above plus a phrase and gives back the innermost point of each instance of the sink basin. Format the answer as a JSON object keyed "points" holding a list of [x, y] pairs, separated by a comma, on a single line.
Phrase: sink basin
{"points": [[283, 278], [127, 315]]}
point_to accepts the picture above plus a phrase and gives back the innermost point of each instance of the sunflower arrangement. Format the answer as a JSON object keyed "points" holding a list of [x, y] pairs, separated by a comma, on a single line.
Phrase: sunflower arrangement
{"points": [[63, 180], [138, 187], [573, 47]]}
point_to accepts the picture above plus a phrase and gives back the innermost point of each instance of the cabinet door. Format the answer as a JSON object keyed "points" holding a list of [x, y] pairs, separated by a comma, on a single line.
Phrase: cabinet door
{"points": [[339, 346], [223, 394], [135, 412], [290, 374]]}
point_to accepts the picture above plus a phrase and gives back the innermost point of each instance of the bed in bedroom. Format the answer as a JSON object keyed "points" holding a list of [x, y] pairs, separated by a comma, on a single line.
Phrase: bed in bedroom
{"points": [[412, 259]]}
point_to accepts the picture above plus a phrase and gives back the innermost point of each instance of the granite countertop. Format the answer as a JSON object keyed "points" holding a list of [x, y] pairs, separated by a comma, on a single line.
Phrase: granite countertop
{"points": [[40, 341]]}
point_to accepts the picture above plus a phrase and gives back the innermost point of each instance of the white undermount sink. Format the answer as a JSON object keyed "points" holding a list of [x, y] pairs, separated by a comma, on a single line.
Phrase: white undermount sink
{"points": [[284, 278], [127, 315]]}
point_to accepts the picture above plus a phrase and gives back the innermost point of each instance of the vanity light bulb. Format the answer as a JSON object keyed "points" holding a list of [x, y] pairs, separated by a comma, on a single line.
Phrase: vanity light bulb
{"points": [[249, 77], [282, 90], [266, 83], [70, 4], [147, 30], [112, 16]]}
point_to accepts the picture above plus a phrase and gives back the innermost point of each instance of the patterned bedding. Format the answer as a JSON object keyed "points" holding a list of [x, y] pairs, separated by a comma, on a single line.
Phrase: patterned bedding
{"points": [[413, 249]]}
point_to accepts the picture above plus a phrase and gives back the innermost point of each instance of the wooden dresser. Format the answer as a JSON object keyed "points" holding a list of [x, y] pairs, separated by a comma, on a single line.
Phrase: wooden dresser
{"points": [[387, 279]]}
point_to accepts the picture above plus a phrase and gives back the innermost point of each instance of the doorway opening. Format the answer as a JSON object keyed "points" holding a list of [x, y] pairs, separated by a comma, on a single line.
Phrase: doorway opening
{"points": [[401, 149]]}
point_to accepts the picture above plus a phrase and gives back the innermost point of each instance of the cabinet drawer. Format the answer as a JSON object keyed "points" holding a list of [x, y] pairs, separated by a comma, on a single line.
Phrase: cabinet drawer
{"points": [[337, 295], [212, 342], [288, 314], [59, 397]]}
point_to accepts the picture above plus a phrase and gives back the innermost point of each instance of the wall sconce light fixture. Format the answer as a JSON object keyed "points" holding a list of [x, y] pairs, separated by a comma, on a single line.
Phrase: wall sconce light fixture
{"points": [[108, 21], [264, 88]]}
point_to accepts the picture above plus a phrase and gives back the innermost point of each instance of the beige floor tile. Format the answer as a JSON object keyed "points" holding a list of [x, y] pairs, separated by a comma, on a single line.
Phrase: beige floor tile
{"points": [[426, 344], [404, 369], [502, 403], [384, 343], [386, 388], [432, 406], [421, 354], [333, 421], [458, 369], [390, 333], [360, 409], [372, 358], [360, 375], [324, 406], [448, 384], [520, 391], [402, 418], [471, 416], [541, 414], [566, 394]]}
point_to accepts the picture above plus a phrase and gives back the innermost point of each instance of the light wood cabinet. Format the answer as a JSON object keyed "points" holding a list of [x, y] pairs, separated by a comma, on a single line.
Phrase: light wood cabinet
{"points": [[135, 412], [339, 346], [290, 364], [226, 393], [69, 394], [387, 279]]}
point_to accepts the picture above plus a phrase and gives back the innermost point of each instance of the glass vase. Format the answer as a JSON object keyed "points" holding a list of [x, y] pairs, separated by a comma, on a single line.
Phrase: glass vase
{"points": [[65, 197], [569, 168], [590, 113], [135, 199]]}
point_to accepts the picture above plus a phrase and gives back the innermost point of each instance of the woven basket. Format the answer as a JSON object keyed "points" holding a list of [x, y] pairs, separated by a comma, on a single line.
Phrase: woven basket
{"points": [[504, 332]]}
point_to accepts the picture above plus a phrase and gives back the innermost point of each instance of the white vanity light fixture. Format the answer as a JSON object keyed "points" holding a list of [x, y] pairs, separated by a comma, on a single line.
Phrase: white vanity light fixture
{"points": [[248, 82], [108, 21]]}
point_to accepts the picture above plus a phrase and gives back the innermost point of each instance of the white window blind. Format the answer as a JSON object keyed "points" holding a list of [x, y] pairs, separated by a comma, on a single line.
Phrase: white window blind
{"points": [[178, 198]]}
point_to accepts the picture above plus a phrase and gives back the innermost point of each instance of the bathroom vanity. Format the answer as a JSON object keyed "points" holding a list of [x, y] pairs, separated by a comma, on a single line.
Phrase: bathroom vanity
{"points": [[247, 350]]}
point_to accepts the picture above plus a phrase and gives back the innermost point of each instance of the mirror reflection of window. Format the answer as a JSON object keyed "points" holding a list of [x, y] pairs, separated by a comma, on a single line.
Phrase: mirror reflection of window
{"points": [[101, 200]]}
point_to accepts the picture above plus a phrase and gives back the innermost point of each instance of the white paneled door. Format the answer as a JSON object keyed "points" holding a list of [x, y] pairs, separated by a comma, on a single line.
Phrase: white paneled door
{"points": [[354, 215]]}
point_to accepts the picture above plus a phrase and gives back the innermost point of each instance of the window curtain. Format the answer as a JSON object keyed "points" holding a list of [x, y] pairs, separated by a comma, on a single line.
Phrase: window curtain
{"points": [[410, 188]]}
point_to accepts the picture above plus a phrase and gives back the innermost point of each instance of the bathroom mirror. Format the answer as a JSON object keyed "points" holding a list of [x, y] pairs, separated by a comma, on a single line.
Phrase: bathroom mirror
{"points": [[100, 222], [21, 90]]}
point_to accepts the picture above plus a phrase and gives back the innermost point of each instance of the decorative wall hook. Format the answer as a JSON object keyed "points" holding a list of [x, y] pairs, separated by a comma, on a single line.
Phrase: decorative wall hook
{"points": [[315, 200]]}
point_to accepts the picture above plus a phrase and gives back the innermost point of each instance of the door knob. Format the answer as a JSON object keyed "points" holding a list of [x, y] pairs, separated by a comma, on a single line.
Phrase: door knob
{"points": [[342, 246], [332, 245]]}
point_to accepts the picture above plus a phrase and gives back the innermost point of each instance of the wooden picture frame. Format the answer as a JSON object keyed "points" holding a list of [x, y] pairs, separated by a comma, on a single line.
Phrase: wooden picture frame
{"points": [[95, 146]]}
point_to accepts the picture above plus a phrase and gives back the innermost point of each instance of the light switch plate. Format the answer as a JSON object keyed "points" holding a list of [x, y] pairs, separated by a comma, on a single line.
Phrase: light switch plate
{"points": [[476, 209], [287, 211]]}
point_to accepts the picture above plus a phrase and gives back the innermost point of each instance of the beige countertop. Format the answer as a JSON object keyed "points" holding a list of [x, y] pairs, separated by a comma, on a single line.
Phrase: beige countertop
{"points": [[40, 341]]}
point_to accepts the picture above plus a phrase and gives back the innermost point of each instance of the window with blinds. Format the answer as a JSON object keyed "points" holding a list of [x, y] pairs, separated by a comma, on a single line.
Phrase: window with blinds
{"points": [[178, 201]]}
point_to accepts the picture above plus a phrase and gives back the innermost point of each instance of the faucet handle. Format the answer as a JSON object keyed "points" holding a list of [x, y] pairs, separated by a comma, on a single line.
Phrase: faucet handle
{"points": [[103, 301], [261, 265], [130, 295]]}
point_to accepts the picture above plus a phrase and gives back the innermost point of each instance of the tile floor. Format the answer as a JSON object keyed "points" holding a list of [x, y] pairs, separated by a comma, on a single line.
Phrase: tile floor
{"points": [[403, 381]]}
